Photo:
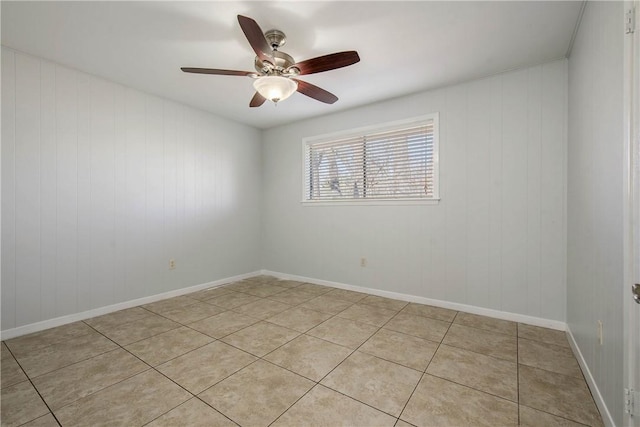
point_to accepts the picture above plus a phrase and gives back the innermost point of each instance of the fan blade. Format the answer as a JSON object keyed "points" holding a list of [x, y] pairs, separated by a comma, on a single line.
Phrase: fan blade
{"points": [[216, 71], [257, 100], [256, 39], [328, 62], [315, 92]]}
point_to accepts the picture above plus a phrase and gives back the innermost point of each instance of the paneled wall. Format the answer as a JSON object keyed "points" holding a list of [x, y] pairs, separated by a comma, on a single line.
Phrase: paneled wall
{"points": [[595, 197], [497, 239], [102, 185]]}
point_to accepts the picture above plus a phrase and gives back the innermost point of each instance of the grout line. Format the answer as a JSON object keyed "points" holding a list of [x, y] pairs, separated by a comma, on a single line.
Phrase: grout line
{"points": [[482, 354], [318, 383], [356, 349], [298, 399], [411, 395], [218, 411], [150, 368], [478, 353], [425, 369], [549, 413], [472, 388], [28, 378]]}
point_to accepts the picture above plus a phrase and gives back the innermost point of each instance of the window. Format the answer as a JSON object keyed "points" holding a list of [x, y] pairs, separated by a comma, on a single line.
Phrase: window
{"points": [[392, 162]]}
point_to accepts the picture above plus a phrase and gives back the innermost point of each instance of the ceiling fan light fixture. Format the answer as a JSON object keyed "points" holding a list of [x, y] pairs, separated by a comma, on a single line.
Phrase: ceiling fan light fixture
{"points": [[276, 71], [275, 88]]}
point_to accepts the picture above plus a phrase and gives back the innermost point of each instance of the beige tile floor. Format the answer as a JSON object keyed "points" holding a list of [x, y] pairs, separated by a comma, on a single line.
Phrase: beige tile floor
{"points": [[265, 352]]}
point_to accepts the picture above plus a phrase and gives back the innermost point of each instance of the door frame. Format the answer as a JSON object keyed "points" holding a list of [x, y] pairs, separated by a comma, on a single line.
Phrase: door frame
{"points": [[631, 208]]}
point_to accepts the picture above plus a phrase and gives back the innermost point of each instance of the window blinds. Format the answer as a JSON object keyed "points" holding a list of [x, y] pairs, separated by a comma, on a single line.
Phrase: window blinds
{"points": [[383, 165]]}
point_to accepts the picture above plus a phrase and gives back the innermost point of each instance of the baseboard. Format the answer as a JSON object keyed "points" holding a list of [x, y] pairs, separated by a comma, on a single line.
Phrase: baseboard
{"points": [[514, 317], [63, 320], [595, 391]]}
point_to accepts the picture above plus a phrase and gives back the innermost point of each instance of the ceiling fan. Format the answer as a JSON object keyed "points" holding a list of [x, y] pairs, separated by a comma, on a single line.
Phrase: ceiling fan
{"points": [[276, 72]]}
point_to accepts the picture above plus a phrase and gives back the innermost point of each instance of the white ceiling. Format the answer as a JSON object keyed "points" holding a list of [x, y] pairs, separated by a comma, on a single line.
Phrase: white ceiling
{"points": [[404, 47]]}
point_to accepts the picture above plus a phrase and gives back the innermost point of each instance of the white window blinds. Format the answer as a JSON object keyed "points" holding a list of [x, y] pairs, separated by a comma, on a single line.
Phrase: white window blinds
{"points": [[390, 162]]}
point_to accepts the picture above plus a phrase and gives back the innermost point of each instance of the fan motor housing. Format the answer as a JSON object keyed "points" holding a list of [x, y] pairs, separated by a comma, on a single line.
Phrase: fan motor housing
{"points": [[281, 59]]}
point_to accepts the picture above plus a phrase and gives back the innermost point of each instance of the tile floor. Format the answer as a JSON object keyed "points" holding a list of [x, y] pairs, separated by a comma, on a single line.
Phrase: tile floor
{"points": [[265, 352]]}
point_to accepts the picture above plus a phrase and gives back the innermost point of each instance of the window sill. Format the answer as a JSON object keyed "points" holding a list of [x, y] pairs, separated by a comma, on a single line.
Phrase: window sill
{"points": [[400, 202]]}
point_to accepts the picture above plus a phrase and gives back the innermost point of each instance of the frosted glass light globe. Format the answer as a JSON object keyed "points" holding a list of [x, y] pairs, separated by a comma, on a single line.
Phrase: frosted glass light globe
{"points": [[275, 88]]}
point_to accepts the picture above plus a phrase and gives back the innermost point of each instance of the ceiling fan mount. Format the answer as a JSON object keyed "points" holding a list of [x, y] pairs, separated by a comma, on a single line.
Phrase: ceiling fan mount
{"points": [[276, 38], [276, 71]]}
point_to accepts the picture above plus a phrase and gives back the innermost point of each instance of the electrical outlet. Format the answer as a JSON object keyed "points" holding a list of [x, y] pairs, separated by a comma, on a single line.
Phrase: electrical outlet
{"points": [[600, 338], [363, 262], [172, 264]]}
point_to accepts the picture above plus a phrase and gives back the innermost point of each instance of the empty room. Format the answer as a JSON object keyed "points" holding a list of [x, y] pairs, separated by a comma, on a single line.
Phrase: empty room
{"points": [[320, 213]]}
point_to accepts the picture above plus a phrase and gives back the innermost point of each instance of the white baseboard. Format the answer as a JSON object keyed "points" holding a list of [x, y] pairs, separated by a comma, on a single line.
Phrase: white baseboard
{"points": [[514, 317], [63, 320], [597, 396]]}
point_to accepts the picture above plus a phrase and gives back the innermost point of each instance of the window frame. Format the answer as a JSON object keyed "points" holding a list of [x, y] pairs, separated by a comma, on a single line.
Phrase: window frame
{"points": [[363, 132]]}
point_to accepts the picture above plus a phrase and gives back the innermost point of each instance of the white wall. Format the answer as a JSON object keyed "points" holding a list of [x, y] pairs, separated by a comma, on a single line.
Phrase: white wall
{"points": [[102, 185], [595, 196], [496, 240]]}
